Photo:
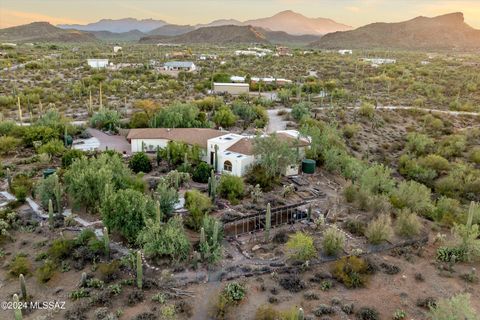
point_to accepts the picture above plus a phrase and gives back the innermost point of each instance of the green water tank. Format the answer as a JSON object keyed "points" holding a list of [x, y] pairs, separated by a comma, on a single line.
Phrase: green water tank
{"points": [[69, 140], [308, 166], [48, 172]]}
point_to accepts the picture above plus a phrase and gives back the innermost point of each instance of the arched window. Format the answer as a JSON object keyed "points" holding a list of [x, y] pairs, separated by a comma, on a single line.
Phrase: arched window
{"points": [[227, 166]]}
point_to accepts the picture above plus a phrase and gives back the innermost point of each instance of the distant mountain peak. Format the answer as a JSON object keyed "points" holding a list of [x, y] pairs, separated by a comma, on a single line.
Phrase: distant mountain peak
{"points": [[448, 31]]}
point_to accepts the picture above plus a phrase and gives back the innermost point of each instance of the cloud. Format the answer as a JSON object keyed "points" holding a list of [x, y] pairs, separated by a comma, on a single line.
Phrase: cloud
{"points": [[10, 18], [353, 9]]}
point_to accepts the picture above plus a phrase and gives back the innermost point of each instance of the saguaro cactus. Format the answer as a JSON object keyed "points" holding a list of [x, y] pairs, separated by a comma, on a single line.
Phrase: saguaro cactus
{"points": [[203, 241], [23, 287], [139, 270], [309, 213], [90, 103], [101, 100], [9, 179], [215, 232], [213, 186], [268, 223], [158, 212], [50, 213], [17, 311], [83, 280], [300, 315], [20, 117], [57, 191], [106, 242]]}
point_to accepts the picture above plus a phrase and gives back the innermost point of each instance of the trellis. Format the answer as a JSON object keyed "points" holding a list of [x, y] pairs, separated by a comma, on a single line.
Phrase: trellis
{"points": [[256, 222]]}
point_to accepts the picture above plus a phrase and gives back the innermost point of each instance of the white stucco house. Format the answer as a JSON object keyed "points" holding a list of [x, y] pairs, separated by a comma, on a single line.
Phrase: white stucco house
{"points": [[97, 63], [234, 152], [180, 66]]}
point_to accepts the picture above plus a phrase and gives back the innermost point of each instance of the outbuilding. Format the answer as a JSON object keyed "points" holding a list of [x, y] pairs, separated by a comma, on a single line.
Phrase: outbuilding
{"points": [[97, 63], [231, 88]]}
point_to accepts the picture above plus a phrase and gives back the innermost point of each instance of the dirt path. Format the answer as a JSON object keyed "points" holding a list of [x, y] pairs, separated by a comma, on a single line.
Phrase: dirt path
{"points": [[276, 122], [454, 113]]}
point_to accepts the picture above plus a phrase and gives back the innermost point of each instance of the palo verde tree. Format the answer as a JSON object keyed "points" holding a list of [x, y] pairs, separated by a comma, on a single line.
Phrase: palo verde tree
{"points": [[126, 211], [274, 154]]}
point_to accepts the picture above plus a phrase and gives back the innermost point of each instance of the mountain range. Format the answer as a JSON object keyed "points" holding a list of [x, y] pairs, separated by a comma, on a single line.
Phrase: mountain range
{"points": [[232, 34], [44, 32], [443, 32], [117, 26], [287, 21]]}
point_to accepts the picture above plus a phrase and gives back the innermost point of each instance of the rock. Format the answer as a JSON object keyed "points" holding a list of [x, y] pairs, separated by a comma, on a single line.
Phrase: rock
{"points": [[256, 248], [58, 290]]}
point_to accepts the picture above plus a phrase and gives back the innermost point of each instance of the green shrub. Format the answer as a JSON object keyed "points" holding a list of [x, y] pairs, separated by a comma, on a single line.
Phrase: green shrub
{"points": [[224, 117], [435, 162], [414, 196], [447, 211], [351, 271], [333, 241], [109, 270], [377, 179], [105, 119], [367, 110], [457, 307], [140, 162], [350, 130], [475, 155], [407, 224], [139, 120], [300, 110], [452, 145], [19, 265], [418, 143], [168, 197], [78, 294], [379, 230], [198, 204], [300, 247], [38, 133], [46, 272], [60, 249], [165, 240], [70, 155], [355, 226], [450, 254], [8, 144], [50, 189], [235, 292], [52, 148], [86, 179], [231, 188], [126, 211], [202, 172], [258, 175]]}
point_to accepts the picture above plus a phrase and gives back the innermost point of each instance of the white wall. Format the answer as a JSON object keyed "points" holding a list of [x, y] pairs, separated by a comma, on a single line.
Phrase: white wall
{"points": [[137, 144], [97, 63]]}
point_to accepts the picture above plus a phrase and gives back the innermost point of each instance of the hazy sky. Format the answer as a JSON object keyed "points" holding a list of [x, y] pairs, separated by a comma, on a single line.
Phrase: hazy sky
{"points": [[351, 12]]}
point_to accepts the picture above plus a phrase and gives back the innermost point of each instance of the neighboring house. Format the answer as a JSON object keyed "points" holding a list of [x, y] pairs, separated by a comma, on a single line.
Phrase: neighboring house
{"points": [[231, 88], [97, 63], [266, 80], [250, 53], [345, 51], [180, 66], [117, 49], [284, 52], [375, 62], [233, 153]]}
